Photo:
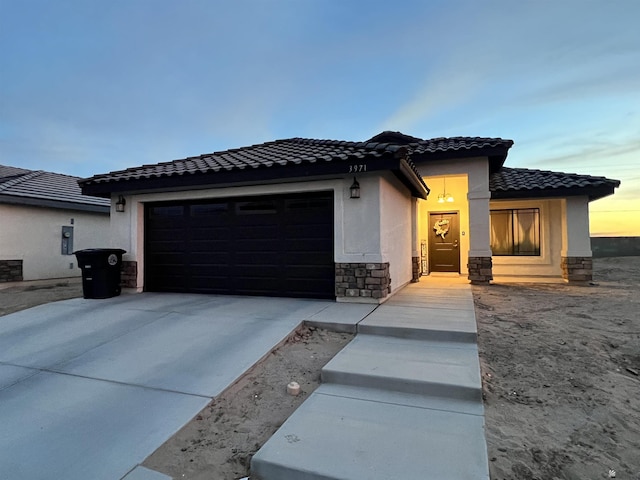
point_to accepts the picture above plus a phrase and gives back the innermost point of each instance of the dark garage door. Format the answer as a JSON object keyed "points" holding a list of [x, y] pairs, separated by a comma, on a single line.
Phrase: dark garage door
{"points": [[273, 245]]}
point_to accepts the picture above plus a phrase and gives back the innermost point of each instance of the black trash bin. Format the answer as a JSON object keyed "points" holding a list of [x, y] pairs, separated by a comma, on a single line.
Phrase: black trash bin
{"points": [[100, 271]]}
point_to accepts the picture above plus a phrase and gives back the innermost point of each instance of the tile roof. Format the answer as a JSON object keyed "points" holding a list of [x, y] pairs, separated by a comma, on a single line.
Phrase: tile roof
{"points": [[441, 144], [272, 159], [522, 182], [40, 188], [293, 151]]}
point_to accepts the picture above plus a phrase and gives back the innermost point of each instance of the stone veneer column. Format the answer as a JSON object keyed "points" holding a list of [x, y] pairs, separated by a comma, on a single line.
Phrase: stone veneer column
{"points": [[480, 270], [365, 280], [577, 269], [129, 274], [415, 269], [11, 271]]}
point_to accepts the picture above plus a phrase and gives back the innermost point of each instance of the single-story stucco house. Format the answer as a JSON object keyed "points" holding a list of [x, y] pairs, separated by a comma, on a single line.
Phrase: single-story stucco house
{"points": [[351, 220], [43, 218]]}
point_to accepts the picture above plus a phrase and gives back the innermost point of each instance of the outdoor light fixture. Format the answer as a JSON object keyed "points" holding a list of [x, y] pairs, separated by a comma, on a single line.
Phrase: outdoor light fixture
{"points": [[120, 204], [355, 189], [444, 196]]}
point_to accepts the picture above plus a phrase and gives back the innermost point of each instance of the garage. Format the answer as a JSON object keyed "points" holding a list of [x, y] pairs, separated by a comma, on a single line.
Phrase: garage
{"points": [[275, 245]]}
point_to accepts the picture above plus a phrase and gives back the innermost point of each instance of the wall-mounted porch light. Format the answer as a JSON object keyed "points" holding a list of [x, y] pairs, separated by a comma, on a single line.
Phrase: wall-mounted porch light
{"points": [[120, 204], [445, 196], [354, 189]]}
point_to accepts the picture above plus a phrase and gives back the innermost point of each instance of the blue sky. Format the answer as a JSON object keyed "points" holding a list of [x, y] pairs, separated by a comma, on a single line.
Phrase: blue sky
{"points": [[92, 86]]}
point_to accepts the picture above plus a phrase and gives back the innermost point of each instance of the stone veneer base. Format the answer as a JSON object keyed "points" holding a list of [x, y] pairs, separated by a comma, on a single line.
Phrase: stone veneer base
{"points": [[362, 280], [577, 269], [11, 271], [415, 269], [129, 274], [480, 270]]}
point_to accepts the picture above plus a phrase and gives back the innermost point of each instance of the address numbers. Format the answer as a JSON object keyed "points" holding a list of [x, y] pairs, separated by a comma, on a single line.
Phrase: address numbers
{"points": [[360, 167]]}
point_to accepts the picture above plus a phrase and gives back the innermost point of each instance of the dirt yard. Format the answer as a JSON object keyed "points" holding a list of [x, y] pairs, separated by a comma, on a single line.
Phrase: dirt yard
{"points": [[560, 367]]}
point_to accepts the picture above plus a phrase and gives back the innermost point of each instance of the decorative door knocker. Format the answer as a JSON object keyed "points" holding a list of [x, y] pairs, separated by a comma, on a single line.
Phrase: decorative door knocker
{"points": [[441, 227]]}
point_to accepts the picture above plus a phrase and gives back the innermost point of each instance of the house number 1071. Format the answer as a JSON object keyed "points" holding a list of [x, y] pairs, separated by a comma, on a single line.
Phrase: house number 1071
{"points": [[357, 168]]}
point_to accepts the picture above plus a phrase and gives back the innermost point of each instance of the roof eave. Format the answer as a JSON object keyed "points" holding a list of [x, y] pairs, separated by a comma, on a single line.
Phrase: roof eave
{"points": [[391, 161], [496, 155], [44, 203], [411, 180], [594, 193]]}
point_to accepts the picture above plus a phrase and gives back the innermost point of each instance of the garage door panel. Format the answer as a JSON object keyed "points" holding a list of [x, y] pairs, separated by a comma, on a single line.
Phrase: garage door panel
{"points": [[206, 233], [206, 247], [278, 245], [298, 287]]}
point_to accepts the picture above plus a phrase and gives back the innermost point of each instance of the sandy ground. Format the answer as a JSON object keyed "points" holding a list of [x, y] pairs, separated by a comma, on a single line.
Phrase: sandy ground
{"points": [[21, 295], [220, 441], [560, 369]]}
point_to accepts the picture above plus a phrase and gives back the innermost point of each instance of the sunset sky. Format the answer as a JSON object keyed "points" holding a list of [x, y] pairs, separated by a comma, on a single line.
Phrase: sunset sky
{"points": [[90, 86]]}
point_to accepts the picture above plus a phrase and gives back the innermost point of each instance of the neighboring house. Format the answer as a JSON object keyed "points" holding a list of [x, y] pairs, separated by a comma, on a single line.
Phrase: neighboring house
{"points": [[280, 218], [44, 217]]}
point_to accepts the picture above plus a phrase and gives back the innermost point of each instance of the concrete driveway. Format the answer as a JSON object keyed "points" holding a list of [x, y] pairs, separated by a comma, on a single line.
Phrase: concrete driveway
{"points": [[90, 388]]}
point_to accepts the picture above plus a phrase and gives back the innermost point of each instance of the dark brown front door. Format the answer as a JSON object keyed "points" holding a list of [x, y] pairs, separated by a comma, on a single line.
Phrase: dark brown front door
{"points": [[444, 240]]}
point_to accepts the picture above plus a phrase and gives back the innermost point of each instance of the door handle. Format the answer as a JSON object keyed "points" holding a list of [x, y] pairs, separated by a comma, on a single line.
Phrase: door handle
{"points": [[455, 244]]}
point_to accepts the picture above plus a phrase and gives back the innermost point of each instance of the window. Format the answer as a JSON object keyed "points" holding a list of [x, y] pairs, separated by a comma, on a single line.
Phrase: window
{"points": [[515, 232]]}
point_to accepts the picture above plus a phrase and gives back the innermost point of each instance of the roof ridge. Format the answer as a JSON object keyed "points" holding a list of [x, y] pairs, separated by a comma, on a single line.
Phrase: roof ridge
{"points": [[21, 179]]}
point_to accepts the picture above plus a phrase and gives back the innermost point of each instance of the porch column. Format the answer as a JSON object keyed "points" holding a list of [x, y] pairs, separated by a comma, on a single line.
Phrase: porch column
{"points": [[480, 264], [577, 266]]}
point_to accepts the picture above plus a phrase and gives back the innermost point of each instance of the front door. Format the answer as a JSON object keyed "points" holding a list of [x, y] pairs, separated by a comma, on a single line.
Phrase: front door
{"points": [[444, 240]]}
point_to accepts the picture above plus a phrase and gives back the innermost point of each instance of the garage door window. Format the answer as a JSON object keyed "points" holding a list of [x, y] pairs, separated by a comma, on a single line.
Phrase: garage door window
{"points": [[256, 208], [210, 210]]}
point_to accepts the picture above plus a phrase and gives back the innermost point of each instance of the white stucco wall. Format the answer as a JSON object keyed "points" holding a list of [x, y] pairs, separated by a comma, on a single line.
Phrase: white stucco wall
{"points": [[34, 235], [396, 230], [576, 241], [366, 230], [551, 232], [127, 229]]}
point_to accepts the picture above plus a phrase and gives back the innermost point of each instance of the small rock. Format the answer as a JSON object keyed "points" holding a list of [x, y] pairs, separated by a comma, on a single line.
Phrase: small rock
{"points": [[293, 388]]}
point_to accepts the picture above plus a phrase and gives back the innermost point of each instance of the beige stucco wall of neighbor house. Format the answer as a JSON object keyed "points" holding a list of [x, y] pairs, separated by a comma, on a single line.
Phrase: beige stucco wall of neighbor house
{"points": [[395, 230], [551, 242], [34, 235]]}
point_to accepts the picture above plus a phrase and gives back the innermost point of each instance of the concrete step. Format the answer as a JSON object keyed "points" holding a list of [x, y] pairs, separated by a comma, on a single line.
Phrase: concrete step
{"points": [[340, 317], [438, 298], [440, 369], [453, 325], [459, 405], [338, 438]]}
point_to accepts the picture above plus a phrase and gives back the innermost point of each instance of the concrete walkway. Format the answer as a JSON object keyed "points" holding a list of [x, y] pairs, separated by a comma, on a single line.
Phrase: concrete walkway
{"points": [[90, 388], [402, 401]]}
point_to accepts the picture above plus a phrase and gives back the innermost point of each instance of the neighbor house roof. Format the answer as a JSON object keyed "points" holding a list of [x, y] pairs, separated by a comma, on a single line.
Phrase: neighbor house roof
{"points": [[300, 157], [523, 183], [20, 186]]}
